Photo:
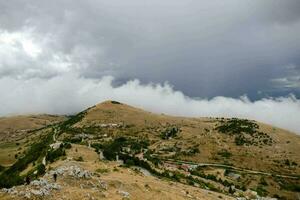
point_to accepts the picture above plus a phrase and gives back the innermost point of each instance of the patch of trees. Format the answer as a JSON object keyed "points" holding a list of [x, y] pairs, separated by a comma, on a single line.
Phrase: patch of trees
{"points": [[54, 154], [289, 163], [111, 149], [74, 140], [115, 102], [11, 176], [236, 126], [246, 132], [66, 126], [169, 133], [2, 168], [224, 153], [289, 185], [261, 191], [171, 175]]}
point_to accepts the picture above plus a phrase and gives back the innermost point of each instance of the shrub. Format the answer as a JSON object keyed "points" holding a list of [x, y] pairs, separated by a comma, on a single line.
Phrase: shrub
{"points": [[261, 191], [169, 132], [67, 145], [225, 154], [2, 168], [101, 170], [79, 159], [111, 149], [263, 181], [8, 180], [41, 169], [36, 151], [53, 155], [129, 162], [241, 127], [115, 102]]}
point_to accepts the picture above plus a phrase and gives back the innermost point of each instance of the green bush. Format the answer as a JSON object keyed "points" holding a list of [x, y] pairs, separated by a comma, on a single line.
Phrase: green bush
{"points": [[115, 102], [111, 149], [225, 154], [36, 151], [53, 155], [169, 132], [41, 169], [291, 187], [102, 171], [8, 180], [2, 168], [241, 127], [79, 159]]}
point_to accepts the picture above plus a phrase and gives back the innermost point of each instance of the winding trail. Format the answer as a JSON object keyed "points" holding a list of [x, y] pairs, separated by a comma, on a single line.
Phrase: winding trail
{"points": [[232, 168]]}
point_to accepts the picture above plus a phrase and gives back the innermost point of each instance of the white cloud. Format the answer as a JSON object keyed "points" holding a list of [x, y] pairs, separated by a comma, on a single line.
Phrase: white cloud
{"points": [[70, 93]]}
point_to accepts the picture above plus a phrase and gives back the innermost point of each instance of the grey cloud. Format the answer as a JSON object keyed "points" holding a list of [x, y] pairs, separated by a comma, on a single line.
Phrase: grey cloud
{"points": [[216, 41], [202, 48]]}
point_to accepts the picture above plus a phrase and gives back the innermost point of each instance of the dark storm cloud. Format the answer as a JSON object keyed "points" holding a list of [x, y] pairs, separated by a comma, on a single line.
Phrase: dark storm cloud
{"points": [[220, 46]]}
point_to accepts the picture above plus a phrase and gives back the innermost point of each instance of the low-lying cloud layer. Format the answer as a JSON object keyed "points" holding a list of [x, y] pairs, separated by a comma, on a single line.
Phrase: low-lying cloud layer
{"points": [[69, 93]]}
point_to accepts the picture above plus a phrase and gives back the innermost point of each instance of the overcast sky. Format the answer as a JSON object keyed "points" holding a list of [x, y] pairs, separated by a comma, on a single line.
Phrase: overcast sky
{"points": [[204, 56]]}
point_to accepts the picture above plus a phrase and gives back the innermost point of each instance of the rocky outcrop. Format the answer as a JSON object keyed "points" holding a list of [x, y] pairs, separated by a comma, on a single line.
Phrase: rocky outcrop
{"points": [[72, 170], [40, 187]]}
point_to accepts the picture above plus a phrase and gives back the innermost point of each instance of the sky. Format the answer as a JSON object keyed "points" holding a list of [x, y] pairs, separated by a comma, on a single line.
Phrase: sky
{"points": [[191, 58]]}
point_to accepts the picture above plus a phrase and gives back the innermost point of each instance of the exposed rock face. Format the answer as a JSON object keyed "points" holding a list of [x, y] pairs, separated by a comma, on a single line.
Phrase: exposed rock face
{"points": [[124, 194], [55, 145], [44, 186], [72, 170], [39, 187]]}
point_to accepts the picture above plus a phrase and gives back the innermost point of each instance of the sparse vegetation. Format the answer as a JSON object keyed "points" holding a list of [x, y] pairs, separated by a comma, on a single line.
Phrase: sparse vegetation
{"points": [[54, 154], [102, 170], [169, 133], [116, 147], [115, 102], [246, 132], [11, 176], [165, 150], [224, 153], [79, 159]]}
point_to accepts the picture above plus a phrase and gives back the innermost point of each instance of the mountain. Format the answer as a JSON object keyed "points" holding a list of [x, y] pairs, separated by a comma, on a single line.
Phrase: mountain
{"points": [[208, 158]]}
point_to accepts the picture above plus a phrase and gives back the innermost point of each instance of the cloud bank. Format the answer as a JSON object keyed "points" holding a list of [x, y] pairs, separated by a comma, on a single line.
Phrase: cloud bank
{"points": [[71, 93]]}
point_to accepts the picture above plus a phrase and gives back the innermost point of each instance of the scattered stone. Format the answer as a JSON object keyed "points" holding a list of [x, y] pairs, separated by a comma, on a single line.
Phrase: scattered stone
{"points": [[124, 193], [73, 171], [103, 185]]}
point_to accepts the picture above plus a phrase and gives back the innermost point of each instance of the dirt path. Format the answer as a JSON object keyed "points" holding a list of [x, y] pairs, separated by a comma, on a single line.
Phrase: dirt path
{"points": [[233, 168]]}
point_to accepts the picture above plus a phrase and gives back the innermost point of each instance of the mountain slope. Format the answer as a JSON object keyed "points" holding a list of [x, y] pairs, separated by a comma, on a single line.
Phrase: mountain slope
{"points": [[236, 157], [16, 132], [201, 132]]}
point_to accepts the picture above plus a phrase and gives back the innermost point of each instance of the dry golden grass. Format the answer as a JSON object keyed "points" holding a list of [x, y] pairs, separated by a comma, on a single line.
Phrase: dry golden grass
{"points": [[15, 134], [194, 132], [117, 178]]}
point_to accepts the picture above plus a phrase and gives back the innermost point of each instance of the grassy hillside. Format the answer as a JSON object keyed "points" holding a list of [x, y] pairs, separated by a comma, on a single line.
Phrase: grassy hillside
{"points": [[225, 155], [17, 132]]}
